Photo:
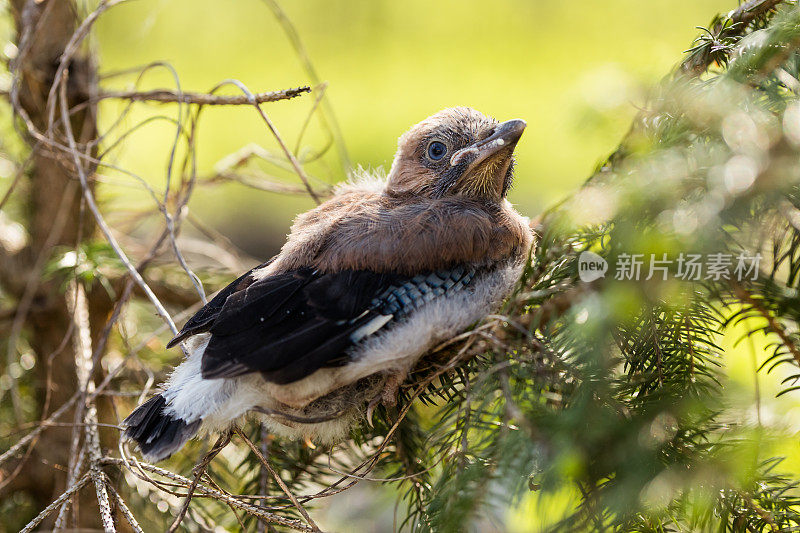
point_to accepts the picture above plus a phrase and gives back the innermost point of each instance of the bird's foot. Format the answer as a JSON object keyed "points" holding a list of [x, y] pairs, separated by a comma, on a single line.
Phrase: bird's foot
{"points": [[388, 396]]}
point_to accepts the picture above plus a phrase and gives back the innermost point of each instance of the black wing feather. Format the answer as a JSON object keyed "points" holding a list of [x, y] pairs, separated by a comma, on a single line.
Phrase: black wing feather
{"points": [[259, 302], [288, 325], [202, 320]]}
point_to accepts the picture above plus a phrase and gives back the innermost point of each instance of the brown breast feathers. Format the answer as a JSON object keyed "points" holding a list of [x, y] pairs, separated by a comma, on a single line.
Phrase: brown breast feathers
{"points": [[362, 228]]}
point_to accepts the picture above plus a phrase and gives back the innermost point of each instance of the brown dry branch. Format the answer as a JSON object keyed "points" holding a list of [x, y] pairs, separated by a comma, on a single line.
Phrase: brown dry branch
{"points": [[260, 182], [122, 506], [75, 487], [83, 350], [164, 96], [276, 477], [198, 472], [143, 471], [289, 155]]}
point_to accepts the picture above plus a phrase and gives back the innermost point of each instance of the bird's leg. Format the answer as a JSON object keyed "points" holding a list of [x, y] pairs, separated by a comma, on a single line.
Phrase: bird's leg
{"points": [[388, 396]]}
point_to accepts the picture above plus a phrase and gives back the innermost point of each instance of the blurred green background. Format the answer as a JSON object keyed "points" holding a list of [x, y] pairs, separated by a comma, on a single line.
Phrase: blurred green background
{"points": [[576, 71]]}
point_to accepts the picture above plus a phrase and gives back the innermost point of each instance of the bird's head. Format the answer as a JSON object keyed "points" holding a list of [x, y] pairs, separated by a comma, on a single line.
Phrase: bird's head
{"points": [[456, 152]]}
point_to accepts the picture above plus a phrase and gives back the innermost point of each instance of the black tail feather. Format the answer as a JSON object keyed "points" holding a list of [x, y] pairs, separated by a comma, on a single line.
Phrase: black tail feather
{"points": [[158, 434]]}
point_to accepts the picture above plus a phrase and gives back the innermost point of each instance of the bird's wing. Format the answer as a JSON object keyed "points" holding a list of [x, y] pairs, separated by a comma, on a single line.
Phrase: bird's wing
{"points": [[202, 320], [288, 325]]}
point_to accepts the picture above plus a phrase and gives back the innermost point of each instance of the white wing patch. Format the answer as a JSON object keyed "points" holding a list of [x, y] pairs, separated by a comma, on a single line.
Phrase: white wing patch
{"points": [[370, 327]]}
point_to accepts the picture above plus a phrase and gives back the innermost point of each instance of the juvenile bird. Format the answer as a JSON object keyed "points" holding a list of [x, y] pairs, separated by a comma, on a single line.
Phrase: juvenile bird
{"points": [[365, 284]]}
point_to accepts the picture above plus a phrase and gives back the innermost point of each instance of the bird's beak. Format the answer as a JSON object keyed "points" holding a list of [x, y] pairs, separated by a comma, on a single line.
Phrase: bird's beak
{"points": [[505, 136]]}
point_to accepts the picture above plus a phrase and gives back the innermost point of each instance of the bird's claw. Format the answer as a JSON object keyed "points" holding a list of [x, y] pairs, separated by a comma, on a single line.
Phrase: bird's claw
{"points": [[388, 396], [373, 403]]}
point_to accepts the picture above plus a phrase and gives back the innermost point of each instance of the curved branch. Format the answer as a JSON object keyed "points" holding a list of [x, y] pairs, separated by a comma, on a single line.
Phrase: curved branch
{"points": [[166, 96]]}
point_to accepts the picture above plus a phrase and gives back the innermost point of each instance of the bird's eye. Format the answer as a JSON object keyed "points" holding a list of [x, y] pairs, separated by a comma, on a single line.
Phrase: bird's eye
{"points": [[436, 150]]}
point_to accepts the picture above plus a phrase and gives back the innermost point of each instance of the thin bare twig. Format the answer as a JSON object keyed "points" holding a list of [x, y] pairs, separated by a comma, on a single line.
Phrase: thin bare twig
{"points": [[58, 501], [17, 178], [165, 96], [100, 220], [288, 153], [277, 478], [134, 466], [11, 452], [328, 117], [198, 471], [122, 506]]}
